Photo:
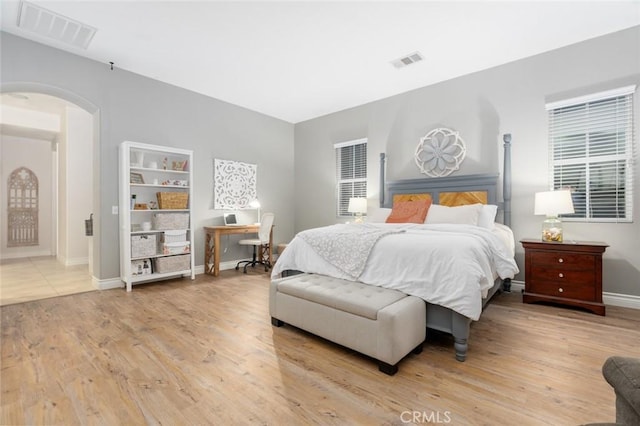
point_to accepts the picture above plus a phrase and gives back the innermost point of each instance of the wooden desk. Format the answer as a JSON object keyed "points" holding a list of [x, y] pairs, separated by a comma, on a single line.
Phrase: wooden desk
{"points": [[212, 244]]}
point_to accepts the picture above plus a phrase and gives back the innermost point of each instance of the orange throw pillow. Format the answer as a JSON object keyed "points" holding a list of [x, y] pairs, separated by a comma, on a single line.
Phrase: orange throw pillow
{"points": [[409, 211]]}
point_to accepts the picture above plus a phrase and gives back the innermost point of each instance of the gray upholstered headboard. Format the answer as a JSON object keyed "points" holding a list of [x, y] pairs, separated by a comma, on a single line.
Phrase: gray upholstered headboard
{"points": [[453, 190]]}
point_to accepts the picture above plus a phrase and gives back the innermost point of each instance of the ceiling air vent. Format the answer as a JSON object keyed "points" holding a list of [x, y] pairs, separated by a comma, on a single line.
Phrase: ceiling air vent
{"points": [[54, 26], [409, 59]]}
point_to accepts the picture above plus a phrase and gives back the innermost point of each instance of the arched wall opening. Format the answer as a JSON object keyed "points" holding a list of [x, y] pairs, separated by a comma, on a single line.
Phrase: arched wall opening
{"points": [[90, 166]]}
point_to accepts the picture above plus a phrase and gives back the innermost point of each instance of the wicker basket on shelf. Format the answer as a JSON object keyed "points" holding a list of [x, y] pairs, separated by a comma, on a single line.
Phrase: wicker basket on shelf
{"points": [[172, 200]]}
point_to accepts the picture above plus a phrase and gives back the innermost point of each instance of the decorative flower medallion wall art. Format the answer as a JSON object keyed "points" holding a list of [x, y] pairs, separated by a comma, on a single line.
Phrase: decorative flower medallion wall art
{"points": [[235, 184], [440, 152]]}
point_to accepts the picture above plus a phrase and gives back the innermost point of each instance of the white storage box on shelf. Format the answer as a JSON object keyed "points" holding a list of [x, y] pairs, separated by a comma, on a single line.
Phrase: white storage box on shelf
{"points": [[180, 247], [170, 221], [174, 236], [143, 245], [141, 267], [172, 263]]}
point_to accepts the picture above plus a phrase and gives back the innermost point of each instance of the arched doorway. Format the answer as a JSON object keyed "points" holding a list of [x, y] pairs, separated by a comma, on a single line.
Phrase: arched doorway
{"points": [[71, 165]]}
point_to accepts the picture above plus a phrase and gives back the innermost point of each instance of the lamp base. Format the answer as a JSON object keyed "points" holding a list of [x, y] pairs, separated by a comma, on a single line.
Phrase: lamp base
{"points": [[552, 230], [359, 218]]}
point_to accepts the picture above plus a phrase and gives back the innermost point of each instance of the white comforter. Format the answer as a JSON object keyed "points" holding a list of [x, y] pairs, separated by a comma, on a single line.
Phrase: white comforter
{"points": [[448, 265]]}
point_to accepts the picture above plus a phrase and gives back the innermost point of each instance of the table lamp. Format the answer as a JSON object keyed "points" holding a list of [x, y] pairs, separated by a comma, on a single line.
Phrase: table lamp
{"points": [[357, 206], [552, 204]]}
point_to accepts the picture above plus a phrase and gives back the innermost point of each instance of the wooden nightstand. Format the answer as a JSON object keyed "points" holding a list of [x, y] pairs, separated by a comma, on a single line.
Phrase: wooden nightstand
{"points": [[568, 273]]}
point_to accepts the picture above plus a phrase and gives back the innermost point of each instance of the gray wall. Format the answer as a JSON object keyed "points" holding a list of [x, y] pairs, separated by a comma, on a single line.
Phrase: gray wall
{"points": [[136, 108], [482, 106]]}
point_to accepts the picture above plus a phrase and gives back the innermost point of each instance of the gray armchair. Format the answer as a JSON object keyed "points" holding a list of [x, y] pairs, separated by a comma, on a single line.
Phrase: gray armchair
{"points": [[623, 374]]}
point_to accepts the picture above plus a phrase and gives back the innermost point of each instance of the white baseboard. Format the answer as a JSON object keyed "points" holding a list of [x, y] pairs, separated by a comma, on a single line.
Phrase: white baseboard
{"points": [[517, 285], [231, 264], [43, 253], [613, 299], [623, 300], [24, 254], [76, 261], [107, 284]]}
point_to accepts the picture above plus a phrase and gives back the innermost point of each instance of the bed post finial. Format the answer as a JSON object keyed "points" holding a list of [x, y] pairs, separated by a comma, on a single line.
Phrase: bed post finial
{"points": [[383, 157], [506, 184]]}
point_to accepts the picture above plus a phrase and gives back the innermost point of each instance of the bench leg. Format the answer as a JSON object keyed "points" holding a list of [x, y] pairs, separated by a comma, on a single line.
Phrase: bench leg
{"points": [[387, 368], [276, 322], [418, 349], [393, 369]]}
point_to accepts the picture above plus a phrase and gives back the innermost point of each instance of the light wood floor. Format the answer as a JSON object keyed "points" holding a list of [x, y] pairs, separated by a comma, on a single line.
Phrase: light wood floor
{"points": [[35, 278], [203, 352]]}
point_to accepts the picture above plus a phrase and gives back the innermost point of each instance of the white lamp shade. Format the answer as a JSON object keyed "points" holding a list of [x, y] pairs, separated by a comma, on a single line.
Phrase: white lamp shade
{"points": [[357, 205], [553, 203], [255, 204]]}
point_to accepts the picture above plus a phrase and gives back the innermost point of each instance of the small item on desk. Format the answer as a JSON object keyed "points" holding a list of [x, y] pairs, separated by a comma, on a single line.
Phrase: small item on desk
{"points": [[140, 206], [230, 219]]}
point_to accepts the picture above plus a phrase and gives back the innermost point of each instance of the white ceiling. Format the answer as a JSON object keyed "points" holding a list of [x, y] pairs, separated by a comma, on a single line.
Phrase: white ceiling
{"points": [[297, 60]]}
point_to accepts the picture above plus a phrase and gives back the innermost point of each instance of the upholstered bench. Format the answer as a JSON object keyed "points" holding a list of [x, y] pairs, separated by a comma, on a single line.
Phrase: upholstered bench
{"points": [[381, 323]]}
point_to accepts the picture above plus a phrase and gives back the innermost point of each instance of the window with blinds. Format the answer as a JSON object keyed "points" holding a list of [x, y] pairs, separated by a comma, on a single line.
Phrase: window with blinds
{"points": [[591, 154], [351, 173]]}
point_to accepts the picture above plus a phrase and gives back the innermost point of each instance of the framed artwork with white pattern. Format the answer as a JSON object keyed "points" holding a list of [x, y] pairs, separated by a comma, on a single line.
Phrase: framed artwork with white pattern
{"points": [[234, 183]]}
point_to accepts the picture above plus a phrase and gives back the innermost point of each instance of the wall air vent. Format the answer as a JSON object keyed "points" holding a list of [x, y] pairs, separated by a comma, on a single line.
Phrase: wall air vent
{"points": [[409, 59], [54, 26]]}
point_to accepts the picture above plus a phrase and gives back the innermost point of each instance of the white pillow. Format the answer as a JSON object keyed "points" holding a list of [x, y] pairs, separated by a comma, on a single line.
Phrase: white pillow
{"points": [[461, 215], [487, 218], [378, 215]]}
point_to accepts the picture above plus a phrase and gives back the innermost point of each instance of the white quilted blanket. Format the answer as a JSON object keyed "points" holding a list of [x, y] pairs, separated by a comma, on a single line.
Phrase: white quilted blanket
{"points": [[448, 265], [347, 247]]}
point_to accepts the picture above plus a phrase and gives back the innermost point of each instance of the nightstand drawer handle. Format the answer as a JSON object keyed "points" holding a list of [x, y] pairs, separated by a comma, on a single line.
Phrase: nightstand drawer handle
{"points": [[560, 260], [560, 290], [561, 275]]}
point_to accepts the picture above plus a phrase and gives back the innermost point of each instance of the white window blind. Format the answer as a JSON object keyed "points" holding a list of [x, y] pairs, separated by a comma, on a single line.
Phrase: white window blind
{"points": [[351, 173], [591, 150]]}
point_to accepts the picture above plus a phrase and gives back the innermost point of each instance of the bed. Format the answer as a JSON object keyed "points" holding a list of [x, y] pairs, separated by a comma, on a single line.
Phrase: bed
{"points": [[455, 269]]}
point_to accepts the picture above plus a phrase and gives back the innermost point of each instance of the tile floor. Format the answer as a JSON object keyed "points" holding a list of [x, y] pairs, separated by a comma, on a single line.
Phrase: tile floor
{"points": [[33, 278]]}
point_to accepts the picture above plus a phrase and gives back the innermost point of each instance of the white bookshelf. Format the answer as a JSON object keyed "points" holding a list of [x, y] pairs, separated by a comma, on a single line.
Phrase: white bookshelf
{"points": [[144, 171]]}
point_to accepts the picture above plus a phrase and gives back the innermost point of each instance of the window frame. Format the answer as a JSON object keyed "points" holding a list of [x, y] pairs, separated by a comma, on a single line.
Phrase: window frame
{"points": [[358, 185], [591, 146]]}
